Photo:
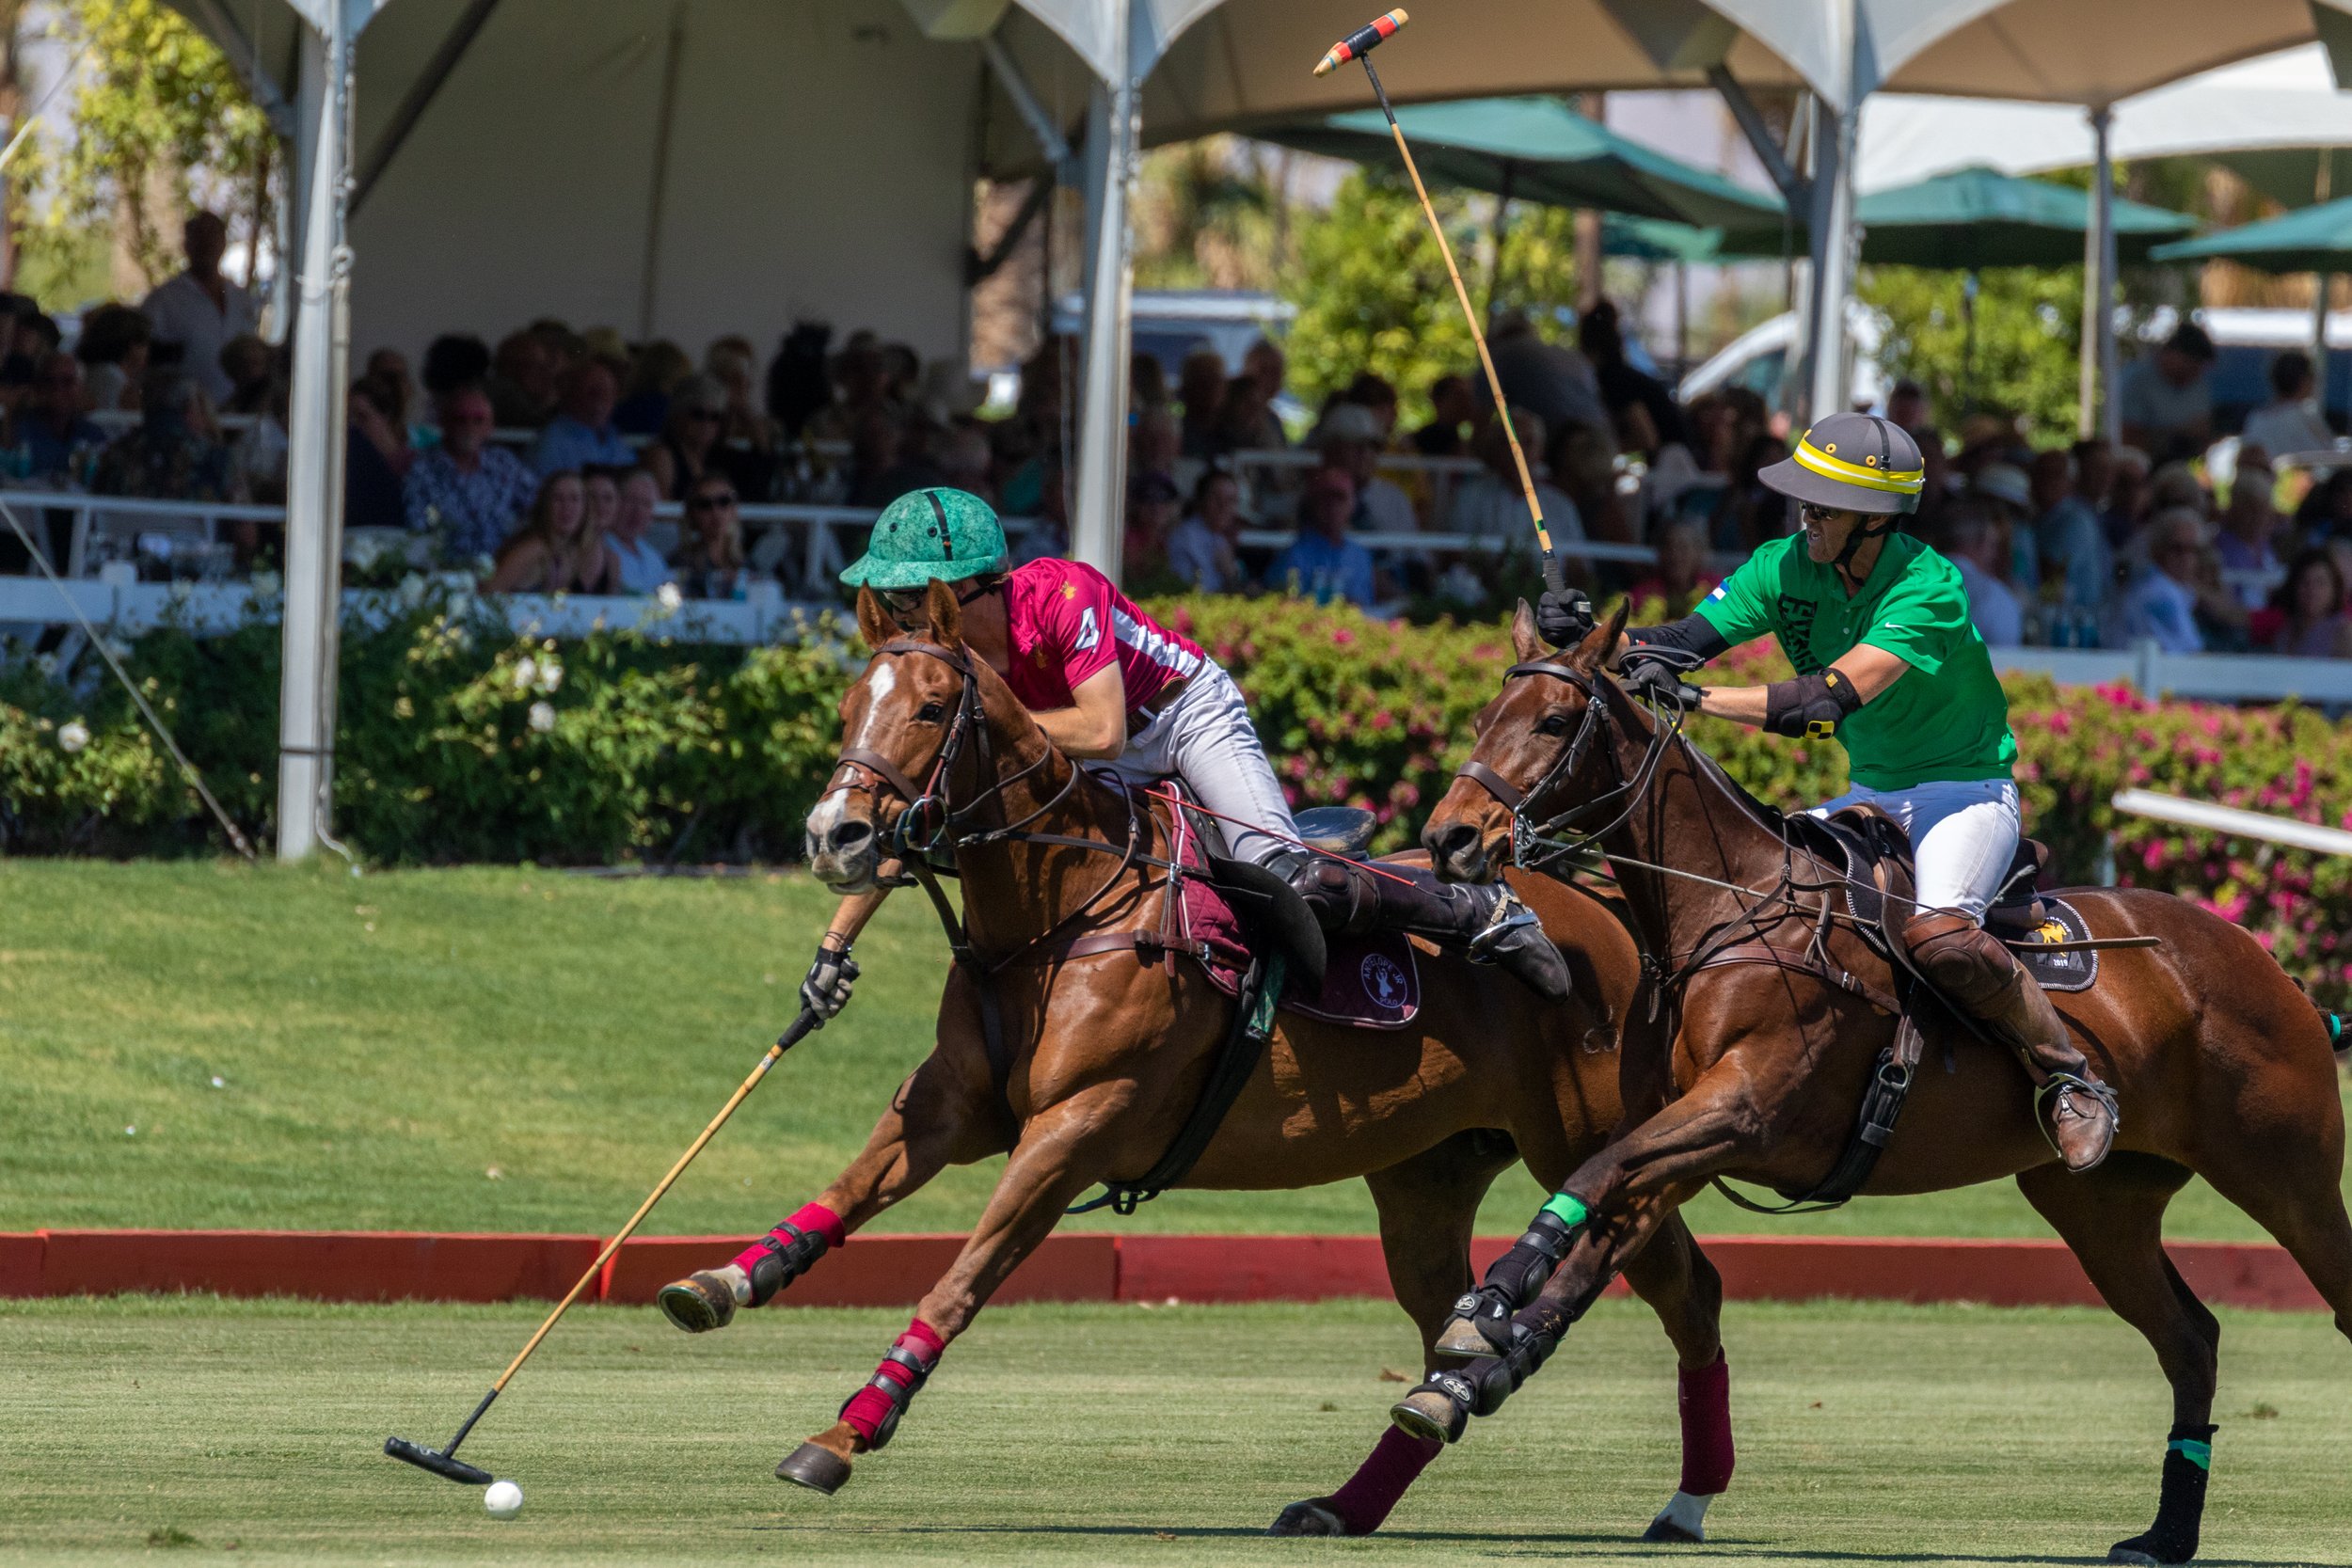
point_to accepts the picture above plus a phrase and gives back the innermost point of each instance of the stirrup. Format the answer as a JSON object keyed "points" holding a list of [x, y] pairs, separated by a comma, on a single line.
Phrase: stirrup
{"points": [[2046, 1118]]}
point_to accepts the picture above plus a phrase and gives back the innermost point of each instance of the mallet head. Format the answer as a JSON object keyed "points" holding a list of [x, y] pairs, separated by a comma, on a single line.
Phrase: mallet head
{"points": [[1362, 41], [440, 1463]]}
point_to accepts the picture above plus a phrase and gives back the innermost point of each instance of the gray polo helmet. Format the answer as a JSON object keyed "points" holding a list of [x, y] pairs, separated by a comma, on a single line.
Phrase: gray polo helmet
{"points": [[1852, 463]]}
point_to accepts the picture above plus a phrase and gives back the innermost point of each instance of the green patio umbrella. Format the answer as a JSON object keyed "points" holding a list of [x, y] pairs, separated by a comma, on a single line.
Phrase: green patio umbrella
{"points": [[1976, 218], [2316, 239], [1537, 150]]}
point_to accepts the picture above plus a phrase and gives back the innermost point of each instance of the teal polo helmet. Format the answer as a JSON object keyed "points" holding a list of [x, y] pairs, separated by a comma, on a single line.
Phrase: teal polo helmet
{"points": [[926, 534]]}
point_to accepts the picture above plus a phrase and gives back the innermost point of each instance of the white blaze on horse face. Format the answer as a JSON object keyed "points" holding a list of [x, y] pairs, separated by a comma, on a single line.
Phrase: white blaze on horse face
{"points": [[834, 804]]}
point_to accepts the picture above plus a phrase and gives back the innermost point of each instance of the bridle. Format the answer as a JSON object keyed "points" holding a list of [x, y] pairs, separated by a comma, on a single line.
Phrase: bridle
{"points": [[1537, 844]]}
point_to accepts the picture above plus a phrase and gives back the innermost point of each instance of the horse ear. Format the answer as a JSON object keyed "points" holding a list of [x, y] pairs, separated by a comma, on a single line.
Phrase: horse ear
{"points": [[947, 615], [872, 623], [1602, 641], [1526, 644]]}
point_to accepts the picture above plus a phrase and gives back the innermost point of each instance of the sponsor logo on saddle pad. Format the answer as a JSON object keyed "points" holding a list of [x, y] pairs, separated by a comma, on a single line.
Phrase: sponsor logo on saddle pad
{"points": [[1383, 981]]}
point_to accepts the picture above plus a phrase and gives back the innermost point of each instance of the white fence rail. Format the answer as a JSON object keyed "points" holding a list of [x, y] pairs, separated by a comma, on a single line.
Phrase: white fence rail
{"points": [[2230, 820]]}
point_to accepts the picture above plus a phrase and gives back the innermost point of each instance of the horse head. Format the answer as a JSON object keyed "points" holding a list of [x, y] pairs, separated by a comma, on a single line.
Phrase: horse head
{"points": [[1536, 753], [903, 724]]}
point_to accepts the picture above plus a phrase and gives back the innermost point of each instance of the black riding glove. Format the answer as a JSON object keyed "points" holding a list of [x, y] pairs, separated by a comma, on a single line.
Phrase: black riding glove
{"points": [[1657, 675], [1563, 615], [826, 990]]}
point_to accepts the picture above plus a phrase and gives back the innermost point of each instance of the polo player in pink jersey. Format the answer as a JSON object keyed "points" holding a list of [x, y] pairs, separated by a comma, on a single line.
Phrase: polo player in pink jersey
{"points": [[1112, 687]]}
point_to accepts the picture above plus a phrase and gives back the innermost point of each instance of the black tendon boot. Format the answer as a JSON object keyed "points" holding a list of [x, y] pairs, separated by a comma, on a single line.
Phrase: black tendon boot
{"points": [[2172, 1539], [1484, 919], [707, 1299], [1481, 1318], [1441, 1407]]}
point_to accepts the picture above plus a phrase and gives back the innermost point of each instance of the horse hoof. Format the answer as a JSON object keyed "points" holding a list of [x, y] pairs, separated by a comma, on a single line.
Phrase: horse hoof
{"points": [[1663, 1531], [1681, 1522], [1462, 1341], [1314, 1516], [1430, 1415], [699, 1302], [817, 1468], [2138, 1555]]}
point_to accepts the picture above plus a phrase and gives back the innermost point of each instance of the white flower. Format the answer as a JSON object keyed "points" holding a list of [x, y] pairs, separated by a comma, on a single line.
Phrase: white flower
{"points": [[46, 664], [542, 717], [526, 672], [411, 590], [182, 591], [266, 584], [669, 597], [73, 736], [551, 677]]}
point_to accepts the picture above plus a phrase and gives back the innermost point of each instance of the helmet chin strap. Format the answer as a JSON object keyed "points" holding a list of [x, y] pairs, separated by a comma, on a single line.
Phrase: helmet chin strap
{"points": [[1863, 533]]}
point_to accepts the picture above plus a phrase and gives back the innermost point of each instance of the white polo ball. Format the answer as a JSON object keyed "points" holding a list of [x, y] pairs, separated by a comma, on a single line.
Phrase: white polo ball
{"points": [[503, 1499]]}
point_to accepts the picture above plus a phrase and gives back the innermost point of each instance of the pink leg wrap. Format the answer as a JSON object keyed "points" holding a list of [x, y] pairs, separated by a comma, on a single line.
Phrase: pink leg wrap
{"points": [[1393, 1464], [869, 1407], [811, 1217], [1706, 1456]]}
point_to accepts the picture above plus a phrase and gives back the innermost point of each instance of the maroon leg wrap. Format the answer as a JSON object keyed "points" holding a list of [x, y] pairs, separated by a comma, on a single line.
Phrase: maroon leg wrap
{"points": [[1393, 1464], [1707, 1455], [871, 1410], [811, 1219]]}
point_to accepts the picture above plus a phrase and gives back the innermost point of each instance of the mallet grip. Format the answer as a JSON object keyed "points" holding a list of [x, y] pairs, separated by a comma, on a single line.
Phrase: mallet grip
{"points": [[1362, 41]]}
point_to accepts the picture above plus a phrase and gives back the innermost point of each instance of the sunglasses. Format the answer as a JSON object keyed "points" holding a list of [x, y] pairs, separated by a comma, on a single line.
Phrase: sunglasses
{"points": [[1822, 514], [903, 602], [711, 503]]}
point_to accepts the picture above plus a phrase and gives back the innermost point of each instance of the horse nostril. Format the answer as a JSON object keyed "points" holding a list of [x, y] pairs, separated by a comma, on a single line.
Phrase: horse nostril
{"points": [[1457, 842], [847, 838]]}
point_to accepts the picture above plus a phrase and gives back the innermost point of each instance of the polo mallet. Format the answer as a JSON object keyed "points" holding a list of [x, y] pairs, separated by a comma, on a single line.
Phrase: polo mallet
{"points": [[444, 1462], [1358, 45]]}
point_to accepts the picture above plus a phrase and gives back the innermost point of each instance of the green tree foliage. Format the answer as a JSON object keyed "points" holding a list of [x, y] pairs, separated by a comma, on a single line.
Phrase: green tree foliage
{"points": [[160, 122], [1372, 293], [2027, 331]]}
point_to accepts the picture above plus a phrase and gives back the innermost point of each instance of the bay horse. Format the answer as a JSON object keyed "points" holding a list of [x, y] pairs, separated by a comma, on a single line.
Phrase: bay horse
{"points": [[1107, 1046], [1759, 1060]]}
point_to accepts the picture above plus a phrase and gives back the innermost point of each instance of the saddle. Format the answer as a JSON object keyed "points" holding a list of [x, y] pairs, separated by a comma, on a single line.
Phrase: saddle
{"points": [[1870, 848], [1268, 906]]}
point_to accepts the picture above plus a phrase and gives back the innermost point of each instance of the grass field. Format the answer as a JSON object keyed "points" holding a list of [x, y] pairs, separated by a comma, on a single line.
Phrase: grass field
{"points": [[1120, 1436], [203, 1043]]}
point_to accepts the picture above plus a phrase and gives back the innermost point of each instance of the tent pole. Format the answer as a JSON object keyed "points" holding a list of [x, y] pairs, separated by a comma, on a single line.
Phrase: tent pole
{"points": [[2098, 331], [1682, 319], [2322, 284], [1096, 509], [1833, 237], [315, 436], [666, 119]]}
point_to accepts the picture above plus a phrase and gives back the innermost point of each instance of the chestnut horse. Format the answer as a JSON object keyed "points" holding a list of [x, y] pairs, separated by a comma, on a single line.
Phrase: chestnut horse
{"points": [[2223, 1067], [1107, 1052]]}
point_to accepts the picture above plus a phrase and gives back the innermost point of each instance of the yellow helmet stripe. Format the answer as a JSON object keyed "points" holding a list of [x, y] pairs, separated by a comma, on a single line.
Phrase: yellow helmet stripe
{"points": [[1899, 481]]}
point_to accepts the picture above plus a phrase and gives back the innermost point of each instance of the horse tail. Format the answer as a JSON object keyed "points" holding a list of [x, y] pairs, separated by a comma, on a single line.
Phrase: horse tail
{"points": [[2334, 1020]]}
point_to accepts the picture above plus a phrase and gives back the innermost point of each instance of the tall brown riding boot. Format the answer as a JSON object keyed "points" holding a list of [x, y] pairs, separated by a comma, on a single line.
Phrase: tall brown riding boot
{"points": [[1974, 971], [1485, 920]]}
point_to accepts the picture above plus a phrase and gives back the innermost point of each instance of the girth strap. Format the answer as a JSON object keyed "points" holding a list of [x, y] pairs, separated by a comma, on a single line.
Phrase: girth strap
{"points": [[1780, 957]]}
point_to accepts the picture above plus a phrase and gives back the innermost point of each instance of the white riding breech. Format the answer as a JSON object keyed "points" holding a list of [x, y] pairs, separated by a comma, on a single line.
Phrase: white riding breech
{"points": [[1206, 738], [1964, 837]]}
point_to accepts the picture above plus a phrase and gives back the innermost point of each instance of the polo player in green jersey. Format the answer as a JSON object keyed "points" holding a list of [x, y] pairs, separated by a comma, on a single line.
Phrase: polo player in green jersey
{"points": [[1887, 661]]}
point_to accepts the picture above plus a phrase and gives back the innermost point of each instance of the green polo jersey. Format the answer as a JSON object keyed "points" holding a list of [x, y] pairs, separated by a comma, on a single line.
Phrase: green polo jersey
{"points": [[1944, 718]]}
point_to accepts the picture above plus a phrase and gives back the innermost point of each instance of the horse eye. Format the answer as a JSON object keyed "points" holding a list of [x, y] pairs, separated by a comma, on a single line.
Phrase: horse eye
{"points": [[1554, 722], [932, 713]]}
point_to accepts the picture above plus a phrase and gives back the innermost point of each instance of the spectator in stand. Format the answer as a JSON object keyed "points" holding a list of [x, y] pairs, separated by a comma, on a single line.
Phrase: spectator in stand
{"points": [[452, 360], [251, 367], [1551, 381], [799, 380], [376, 456], [1151, 505], [1583, 464], [709, 561], [173, 454], [689, 447], [556, 552], [963, 456], [1935, 484], [1492, 506], [733, 363], [654, 374], [1751, 510], [1264, 363], [2166, 397], [1350, 442], [49, 426], [1324, 563], [2306, 615], [2326, 513], [1376, 393], [1201, 385], [1907, 406], [2292, 422], [880, 469], [2164, 604], [1972, 542], [522, 384], [1245, 421], [1623, 386], [2003, 493], [1203, 548], [1452, 409], [1146, 383], [2128, 496], [641, 566], [1155, 444], [199, 310], [602, 488], [1681, 579], [581, 431], [2250, 530], [466, 492], [2066, 494], [113, 348], [389, 369]]}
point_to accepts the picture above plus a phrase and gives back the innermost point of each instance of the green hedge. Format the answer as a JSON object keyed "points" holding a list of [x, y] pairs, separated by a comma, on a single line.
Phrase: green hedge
{"points": [[654, 750]]}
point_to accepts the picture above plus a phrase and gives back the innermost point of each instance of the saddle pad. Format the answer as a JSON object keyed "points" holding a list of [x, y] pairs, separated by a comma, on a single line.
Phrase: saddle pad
{"points": [[2075, 971], [1371, 982]]}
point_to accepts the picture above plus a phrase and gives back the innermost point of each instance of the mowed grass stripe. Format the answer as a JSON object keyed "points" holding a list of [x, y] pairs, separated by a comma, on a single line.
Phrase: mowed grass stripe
{"points": [[1114, 1434], [521, 1050]]}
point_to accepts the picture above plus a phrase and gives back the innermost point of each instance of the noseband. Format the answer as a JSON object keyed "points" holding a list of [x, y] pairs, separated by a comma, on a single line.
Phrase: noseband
{"points": [[1535, 844]]}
